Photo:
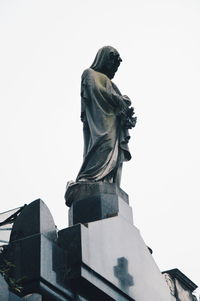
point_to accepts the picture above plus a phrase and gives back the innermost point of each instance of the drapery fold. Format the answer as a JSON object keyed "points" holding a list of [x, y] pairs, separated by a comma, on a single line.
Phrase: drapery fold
{"points": [[105, 139]]}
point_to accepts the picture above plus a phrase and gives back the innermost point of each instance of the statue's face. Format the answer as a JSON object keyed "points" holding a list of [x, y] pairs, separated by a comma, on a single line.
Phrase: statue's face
{"points": [[113, 64]]}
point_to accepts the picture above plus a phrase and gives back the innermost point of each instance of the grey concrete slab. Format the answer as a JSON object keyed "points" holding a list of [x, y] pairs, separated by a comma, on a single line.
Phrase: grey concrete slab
{"points": [[113, 250], [113, 239]]}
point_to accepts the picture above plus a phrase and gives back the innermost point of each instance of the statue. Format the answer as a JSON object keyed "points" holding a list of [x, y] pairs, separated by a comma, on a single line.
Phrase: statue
{"points": [[107, 116]]}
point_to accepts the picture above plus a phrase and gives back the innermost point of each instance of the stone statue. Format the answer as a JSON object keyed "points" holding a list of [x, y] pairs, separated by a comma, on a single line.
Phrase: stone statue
{"points": [[107, 116]]}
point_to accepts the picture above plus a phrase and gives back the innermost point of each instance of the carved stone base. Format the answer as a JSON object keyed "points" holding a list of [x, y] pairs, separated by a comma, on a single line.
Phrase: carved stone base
{"points": [[95, 201], [108, 260]]}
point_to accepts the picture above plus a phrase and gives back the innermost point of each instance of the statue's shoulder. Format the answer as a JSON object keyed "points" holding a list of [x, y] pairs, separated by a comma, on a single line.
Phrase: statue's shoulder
{"points": [[87, 73], [93, 78]]}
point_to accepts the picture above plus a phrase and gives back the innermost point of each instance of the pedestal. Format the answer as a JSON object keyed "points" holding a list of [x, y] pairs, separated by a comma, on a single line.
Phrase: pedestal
{"points": [[101, 256], [109, 253], [92, 201]]}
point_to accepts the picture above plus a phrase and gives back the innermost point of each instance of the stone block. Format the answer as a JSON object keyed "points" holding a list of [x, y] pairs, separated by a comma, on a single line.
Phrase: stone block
{"points": [[39, 261], [36, 257], [95, 201], [34, 219], [112, 256]]}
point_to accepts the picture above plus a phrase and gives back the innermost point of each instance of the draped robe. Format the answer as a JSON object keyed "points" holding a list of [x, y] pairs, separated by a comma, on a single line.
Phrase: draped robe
{"points": [[105, 139]]}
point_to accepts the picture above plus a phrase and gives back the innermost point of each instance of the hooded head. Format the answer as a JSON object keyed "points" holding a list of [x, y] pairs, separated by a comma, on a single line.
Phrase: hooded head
{"points": [[107, 61]]}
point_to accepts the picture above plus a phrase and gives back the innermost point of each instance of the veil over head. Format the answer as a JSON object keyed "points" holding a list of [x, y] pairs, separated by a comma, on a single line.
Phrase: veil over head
{"points": [[102, 58]]}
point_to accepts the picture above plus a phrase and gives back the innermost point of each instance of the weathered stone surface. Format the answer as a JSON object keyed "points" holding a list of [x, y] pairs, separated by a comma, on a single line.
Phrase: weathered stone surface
{"points": [[34, 218], [39, 261], [101, 260], [96, 201], [84, 190], [180, 286], [36, 257], [111, 252]]}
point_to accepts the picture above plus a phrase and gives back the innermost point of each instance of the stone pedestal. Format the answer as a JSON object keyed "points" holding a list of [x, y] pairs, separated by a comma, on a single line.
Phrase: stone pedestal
{"points": [[111, 255], [95, 201], [36, 257], [101, 256]]}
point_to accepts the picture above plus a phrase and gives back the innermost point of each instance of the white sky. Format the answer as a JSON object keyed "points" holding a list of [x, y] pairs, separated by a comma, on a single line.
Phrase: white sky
{"points": [[45, 46]]}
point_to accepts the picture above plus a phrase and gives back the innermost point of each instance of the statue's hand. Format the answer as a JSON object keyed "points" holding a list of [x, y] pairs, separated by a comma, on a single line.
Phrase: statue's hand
{"points": [[129, 120], [127, 100]]}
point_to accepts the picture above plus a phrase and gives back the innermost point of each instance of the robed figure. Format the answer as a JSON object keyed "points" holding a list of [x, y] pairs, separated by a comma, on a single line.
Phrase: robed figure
{"points": [[106, 117]]}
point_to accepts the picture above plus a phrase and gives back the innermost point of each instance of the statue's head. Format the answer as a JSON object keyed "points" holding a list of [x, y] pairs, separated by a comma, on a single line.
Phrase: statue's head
{"points": [[107, 61]]}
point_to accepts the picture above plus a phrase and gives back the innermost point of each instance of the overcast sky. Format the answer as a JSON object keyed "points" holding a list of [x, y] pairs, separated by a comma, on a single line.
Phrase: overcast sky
{"points": [[45, 46]]}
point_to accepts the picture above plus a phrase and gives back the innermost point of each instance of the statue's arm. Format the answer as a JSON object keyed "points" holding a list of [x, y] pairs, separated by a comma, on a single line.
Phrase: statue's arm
{"points": [[123, 103], [119, 101], [92, 82]]}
